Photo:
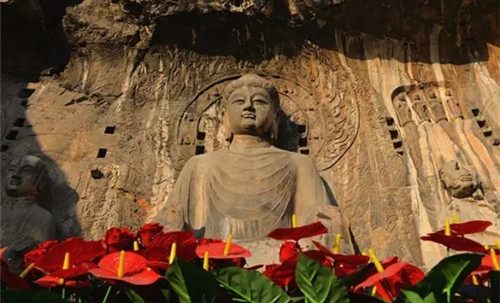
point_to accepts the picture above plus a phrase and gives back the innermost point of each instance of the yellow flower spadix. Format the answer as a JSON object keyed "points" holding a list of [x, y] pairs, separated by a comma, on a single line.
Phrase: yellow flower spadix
{"points": [[447, 230], [474, 280], [205, 261], [494, 260], [294, 221], [375, 261], [173, 251], [136, 246], [336, 247], [25, 272], [65, 265], [228, 244], [121, 265]]}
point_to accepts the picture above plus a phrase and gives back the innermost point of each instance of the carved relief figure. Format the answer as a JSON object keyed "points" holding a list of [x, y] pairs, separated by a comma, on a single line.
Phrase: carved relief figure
{"points": [[252, 187], [459, 181], [402, 108], [437, 109], [24, 224], [453, 106], [420, 108]]}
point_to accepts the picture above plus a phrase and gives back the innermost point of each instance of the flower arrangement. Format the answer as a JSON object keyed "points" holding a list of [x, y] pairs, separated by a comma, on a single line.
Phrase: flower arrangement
{"points": [[156, 266]]}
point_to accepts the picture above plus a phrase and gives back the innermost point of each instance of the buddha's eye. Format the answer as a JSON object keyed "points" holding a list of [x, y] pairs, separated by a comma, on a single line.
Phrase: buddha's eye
{"points": [[238, 101], [260, 102]]}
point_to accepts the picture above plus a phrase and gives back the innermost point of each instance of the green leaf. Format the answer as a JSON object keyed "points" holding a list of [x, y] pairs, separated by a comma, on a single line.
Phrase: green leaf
{"points": [[19, 295], [133, 296], [318, 283], [192, 283], [495, 285], [411, 296], [251, 286], [444, 279]]}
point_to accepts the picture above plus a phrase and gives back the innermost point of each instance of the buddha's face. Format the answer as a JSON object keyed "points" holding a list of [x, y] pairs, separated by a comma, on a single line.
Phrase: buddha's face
{"points": [[20, 179], [250, 110], [459, 180]]}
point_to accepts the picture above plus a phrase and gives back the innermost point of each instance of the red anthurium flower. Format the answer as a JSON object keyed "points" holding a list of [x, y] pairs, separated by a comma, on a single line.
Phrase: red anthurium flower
{"points": [[297, 233], [135, 272], [148, 231], [36, 253], [79, 251], [289, 250], [455, 242], [118, 239], [482, 272], [203, 241], [73, 272], [350, 260], [465, 228], [159, 248], [396, 276], [282, 274], [216, 251], [10, 279], [53, 281]]}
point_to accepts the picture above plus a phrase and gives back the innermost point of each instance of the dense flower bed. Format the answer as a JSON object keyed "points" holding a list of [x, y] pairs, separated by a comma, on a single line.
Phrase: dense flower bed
{"points": [[154, 266]]}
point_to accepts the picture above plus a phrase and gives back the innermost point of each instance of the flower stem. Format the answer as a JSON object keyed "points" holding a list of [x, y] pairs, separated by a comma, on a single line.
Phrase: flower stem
{"points": [[63, 295], [107, 294]]}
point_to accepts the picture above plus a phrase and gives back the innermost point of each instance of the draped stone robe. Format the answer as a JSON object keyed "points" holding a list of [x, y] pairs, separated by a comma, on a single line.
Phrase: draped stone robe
{"points": [[245, 192]]}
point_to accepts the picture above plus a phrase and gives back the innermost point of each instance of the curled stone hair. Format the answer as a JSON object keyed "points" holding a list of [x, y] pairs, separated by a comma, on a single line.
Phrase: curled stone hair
{"points": [[252, 80]]}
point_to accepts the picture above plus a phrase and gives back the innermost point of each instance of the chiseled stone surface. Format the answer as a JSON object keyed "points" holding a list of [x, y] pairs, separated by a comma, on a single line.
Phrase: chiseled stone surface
{"points": [[378, 96]]}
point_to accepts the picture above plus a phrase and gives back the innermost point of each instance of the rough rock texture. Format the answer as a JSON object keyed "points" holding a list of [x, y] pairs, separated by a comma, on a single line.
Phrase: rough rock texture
{"points": [[380, 95]]}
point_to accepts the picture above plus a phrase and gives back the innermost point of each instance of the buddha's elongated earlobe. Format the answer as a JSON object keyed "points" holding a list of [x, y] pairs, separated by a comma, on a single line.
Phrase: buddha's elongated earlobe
{"points": [[226, 128], [273, 133]]}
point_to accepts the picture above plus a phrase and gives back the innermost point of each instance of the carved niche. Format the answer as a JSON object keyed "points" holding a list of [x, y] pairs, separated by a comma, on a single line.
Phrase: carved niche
{"points": [[429, 101], [318, 118]]}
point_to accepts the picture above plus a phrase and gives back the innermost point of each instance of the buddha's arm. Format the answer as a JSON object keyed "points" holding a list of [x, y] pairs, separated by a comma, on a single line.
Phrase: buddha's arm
{"points": [[310, 194]]}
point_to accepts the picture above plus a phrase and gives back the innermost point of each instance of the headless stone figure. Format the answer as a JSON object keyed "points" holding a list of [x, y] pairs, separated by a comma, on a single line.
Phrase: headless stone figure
{"points": [[24, 224], [252, 187]]}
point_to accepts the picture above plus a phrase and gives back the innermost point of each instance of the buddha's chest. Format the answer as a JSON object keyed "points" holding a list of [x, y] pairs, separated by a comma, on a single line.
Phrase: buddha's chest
{"points": [[250, 194]]}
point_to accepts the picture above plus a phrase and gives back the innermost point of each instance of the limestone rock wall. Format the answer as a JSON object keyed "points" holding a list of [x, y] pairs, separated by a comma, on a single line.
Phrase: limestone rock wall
{"points": [[379, 96]]}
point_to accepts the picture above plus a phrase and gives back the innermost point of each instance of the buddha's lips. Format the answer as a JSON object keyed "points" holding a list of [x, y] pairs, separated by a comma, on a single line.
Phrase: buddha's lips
{"points": [[248, 115], [15, 182]]}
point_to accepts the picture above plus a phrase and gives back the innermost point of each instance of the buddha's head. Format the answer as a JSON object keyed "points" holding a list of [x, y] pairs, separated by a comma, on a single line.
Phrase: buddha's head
{"points": [[251, 106], [26, 176], [458, 180]]}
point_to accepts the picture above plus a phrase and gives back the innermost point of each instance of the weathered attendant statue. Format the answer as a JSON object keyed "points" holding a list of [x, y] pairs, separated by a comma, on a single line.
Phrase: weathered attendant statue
{"points": [[24, 224], [252, 187]]}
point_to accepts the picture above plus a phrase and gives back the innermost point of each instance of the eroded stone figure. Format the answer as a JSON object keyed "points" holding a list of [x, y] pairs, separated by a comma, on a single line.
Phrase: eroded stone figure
{"points": [[252, 187], [420, 108], [437, 109], [459, 181], [24, 224], [402, 108], [453, 106]]}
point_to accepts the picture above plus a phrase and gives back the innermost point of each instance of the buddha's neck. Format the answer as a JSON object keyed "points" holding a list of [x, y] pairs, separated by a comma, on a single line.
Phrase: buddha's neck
{"points": [[241, 141], [18, 202]]}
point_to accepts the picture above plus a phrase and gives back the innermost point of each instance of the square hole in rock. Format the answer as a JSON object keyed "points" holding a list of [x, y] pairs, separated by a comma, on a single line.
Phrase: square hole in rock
{"points": [[201, 135], [200, 149], [19, 122], [109, 130], [389, 121], [302, 141], [475, 112], [304, 151], [101, 153], [394, 133], [12, 135], [301, 128]]}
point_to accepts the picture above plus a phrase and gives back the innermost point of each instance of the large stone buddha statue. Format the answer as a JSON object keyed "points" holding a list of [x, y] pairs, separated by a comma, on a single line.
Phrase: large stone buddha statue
{"points": [[24, 224], [252, 187]]}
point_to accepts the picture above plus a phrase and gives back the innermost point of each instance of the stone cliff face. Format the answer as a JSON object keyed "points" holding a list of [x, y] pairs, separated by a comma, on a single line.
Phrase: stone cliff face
{"points": [[380, 96]]}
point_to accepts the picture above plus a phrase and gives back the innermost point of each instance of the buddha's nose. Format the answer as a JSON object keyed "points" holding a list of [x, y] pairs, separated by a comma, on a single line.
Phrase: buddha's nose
{"points": [[248, 106]]}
